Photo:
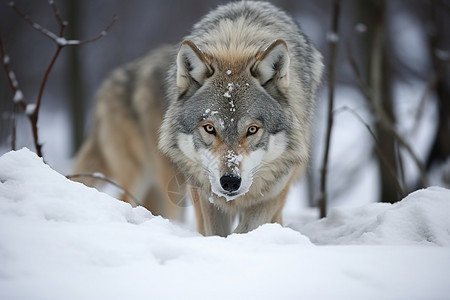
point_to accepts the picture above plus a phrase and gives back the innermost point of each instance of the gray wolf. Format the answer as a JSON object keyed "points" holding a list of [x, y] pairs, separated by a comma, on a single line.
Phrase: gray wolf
{"points": [[238, 98]]}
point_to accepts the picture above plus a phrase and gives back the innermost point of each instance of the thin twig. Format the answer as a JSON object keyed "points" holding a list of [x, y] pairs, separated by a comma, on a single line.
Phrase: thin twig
{"points": [[384, 119], [62, 24], [401, 166], [14, 84], [103, 178], [33, 24], [60, 40], [10, 75], [14, 128], [431, 85], [333, 40], [101, 34], [33, 112], [34, 116], [377, 146]]}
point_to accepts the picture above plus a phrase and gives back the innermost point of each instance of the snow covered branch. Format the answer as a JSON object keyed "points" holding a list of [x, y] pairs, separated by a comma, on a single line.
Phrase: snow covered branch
{"points": [[59, 39], [14, 84], [32, 110]]}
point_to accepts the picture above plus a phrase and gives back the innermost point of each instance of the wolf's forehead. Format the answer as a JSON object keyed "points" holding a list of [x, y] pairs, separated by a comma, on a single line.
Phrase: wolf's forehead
{"points": [[235, 57], [232, 101], [235, 113], [230, 96]]}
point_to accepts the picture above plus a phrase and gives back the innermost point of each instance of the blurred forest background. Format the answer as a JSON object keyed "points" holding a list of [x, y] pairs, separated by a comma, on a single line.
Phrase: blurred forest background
{"points": [[391, 85]]}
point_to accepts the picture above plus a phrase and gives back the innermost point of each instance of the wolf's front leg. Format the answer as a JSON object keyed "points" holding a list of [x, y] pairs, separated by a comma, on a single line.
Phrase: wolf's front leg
{"points": [[210, 220], [265, 212], [215, 221]]}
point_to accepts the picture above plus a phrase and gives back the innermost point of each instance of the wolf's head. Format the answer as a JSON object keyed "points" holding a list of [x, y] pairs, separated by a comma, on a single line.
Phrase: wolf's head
{"points": [[233, 116]]}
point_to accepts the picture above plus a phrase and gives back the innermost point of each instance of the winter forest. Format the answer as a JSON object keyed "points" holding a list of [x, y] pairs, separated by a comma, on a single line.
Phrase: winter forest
{"points": [[381, 132], [392, 53]]}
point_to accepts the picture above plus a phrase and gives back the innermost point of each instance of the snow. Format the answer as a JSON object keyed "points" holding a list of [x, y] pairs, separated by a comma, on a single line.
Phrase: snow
{"points": [[30, 109], [6, 60], [233, 161], [62, 240], [208, 112], [12, 77], [18, 96], [227, 94], [419, 219], [361, 28], [332, 37], [61, 41]]}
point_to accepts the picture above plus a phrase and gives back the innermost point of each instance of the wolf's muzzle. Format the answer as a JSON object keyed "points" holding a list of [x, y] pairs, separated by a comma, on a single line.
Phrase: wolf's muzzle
{"points": [[230, 183]]}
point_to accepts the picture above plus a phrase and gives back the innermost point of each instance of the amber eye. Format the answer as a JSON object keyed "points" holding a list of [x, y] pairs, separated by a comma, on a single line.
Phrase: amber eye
{"points": [[210, 129], [252, 130]]}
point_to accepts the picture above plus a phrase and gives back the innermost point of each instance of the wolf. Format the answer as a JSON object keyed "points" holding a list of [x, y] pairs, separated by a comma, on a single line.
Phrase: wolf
{"points": [[231, 109]]}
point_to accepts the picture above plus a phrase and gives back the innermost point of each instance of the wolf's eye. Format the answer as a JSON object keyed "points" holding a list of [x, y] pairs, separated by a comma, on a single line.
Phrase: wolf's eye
{"points": [[210, 129], [252, 130]]}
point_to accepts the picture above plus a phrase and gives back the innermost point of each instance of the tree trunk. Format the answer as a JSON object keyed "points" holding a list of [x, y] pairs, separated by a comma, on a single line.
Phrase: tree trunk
{"points": [[76, 87], [377, 70], [439, 40]]}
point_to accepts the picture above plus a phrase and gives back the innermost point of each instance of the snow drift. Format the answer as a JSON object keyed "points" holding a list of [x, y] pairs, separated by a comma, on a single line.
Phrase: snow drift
{"points": [[62, 240]]}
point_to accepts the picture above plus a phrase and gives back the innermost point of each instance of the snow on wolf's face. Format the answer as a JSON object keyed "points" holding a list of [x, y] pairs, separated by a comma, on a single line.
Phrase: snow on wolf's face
{"points": [[239, 128], [231, 169]]}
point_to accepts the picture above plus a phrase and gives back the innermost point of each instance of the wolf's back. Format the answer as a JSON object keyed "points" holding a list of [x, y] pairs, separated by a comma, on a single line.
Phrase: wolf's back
{"points": [[123, 142]]}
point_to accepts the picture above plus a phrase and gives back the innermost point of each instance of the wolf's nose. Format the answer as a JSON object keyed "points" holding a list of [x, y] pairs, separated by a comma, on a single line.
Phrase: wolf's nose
{"points": [[230, 183]]}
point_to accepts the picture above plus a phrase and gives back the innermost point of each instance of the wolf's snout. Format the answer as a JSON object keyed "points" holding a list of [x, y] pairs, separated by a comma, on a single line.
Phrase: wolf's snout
{"points": [[230, 183]]}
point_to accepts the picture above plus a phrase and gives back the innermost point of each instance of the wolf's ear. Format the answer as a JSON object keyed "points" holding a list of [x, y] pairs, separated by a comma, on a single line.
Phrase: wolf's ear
{"points": [[193, 66], [273, 64]]}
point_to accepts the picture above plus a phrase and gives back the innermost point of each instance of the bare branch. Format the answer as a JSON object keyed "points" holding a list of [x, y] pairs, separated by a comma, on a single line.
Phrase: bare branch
{"points": [[34, 114], [400, 165], [32, 110], [333, 39], [60, 40], [10, 75], [102, 34], [431, 85], [384, 119], [110, 181], [18, 95], [62, 24], [33, 24], [377, 146]]}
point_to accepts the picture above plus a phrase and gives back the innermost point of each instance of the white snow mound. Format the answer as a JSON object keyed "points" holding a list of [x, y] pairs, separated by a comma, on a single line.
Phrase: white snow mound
{"points": [[422, 218], [62, 240]]}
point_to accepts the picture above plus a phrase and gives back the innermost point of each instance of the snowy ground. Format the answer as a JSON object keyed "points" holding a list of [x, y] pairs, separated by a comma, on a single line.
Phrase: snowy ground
{"points": [[62, 240]]}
